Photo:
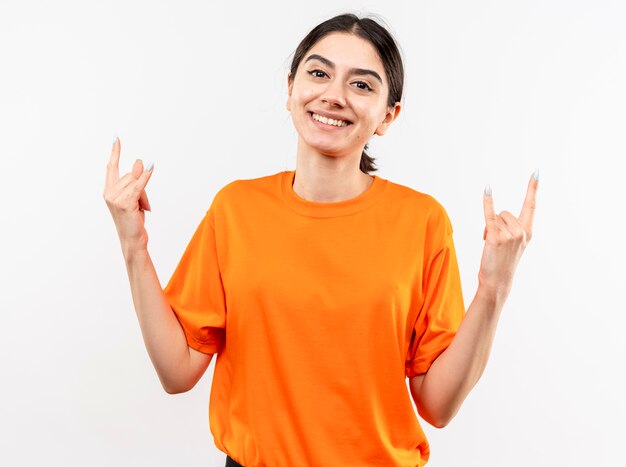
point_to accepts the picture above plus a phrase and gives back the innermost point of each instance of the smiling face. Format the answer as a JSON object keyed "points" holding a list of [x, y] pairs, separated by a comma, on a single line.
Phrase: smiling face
{"points": [[342, 78]]}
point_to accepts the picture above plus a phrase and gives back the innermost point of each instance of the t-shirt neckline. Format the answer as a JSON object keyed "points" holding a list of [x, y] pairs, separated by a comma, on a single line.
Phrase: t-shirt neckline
{"points": [[333, 209]]}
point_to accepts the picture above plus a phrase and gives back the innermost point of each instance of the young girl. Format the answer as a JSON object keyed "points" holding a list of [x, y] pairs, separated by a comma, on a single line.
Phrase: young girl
{"points": [[323, 288]]}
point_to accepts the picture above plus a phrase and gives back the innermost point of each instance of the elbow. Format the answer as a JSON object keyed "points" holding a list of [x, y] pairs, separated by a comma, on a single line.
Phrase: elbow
{"points": [[172, 391], [175, 390], [437, 422], [440, 423], [436, 411], [172, 388], [446, 417]]}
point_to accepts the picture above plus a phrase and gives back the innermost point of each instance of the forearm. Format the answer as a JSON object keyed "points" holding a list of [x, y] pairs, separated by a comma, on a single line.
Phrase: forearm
{"points": [[162, 333], [455, 372]]}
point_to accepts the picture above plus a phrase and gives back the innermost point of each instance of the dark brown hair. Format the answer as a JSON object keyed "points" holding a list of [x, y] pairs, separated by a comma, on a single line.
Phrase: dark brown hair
{"points": [[382, 41]]}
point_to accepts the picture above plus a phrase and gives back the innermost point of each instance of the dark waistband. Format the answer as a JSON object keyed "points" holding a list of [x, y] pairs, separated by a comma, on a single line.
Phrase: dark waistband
{"points": [[230, 462]]}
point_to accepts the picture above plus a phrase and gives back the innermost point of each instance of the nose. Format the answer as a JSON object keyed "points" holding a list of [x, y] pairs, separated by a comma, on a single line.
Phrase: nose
{"points": [[334, 94]]}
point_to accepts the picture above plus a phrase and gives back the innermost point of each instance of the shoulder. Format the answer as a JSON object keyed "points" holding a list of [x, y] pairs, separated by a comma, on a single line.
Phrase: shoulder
{"points": [[423, 205], [245, 191]]}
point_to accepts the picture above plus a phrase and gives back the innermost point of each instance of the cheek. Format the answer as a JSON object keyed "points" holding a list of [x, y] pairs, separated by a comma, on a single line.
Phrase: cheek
{"points": [[303, 91], [304, 95], [371, 118]]}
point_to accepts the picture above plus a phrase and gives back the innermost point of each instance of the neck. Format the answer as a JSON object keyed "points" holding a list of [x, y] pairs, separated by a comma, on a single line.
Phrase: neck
{"points": [[329, 179]]}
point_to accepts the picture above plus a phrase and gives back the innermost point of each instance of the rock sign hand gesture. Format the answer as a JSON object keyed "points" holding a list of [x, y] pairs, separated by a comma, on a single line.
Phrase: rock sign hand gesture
{"points": [[127, 200], [506, 237]]}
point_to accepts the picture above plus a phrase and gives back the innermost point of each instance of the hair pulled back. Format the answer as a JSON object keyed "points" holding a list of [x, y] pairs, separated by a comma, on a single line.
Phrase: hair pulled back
{"points": [[382, 41]]}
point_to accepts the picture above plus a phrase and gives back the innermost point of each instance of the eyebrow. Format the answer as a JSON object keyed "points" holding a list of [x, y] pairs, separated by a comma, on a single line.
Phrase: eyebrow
{"points": [[356, 71]]}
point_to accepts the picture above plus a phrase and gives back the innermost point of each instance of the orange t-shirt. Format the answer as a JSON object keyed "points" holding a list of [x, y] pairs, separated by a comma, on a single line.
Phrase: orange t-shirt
{"points": [[318, 312]]}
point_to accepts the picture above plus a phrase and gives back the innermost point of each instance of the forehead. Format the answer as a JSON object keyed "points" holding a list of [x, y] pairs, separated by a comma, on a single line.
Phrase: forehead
{"points": [[348, 51]]}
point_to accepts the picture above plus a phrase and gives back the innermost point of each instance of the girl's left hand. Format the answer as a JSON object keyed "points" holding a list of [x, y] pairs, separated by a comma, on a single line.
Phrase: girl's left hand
{"points": [[506, 237]]}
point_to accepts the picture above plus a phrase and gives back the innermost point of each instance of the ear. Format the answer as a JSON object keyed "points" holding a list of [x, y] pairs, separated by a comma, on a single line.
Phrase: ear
{"points": [[390, 116], [289, 89]]}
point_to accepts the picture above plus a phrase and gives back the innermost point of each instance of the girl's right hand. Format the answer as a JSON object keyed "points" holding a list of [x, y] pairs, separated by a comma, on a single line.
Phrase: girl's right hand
{"points": [[127, 201]]}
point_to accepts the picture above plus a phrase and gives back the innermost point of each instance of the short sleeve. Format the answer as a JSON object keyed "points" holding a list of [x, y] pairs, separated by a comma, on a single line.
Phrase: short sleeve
{"points": [[195, 291], [443, 308]]}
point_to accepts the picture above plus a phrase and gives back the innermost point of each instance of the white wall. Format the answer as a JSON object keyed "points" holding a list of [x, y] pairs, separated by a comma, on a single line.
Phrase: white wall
{"points": [[493, 90]]}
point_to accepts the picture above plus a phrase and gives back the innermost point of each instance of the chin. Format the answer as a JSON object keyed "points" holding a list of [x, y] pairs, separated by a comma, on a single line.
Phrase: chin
{"points": [[323, 148], [327, 151]]}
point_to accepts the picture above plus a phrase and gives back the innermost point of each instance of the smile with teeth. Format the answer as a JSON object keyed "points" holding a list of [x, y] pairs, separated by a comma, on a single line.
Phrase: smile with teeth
{"points": [[329, 121]]}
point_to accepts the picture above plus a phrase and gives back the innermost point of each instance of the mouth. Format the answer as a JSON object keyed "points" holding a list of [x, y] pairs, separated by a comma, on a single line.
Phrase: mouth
{"points": [[329, 122]]}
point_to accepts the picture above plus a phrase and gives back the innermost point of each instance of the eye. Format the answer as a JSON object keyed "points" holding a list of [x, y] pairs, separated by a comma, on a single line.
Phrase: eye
{"points": [[321, 74], [315, 74], [366, 87]]}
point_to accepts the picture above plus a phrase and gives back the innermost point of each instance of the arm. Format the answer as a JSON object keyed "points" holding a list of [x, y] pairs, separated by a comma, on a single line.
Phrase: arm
{"points": [[439, 393], [178, 366]]}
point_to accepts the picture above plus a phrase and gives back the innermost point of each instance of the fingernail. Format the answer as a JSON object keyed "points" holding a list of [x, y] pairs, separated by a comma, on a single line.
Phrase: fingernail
{"points": [[488, 190], [149, 166], [114, 140], [536, 174]]}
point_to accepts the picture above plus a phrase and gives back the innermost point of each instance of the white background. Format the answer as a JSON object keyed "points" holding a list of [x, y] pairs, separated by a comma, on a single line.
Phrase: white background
{"points": [[493, 90]]}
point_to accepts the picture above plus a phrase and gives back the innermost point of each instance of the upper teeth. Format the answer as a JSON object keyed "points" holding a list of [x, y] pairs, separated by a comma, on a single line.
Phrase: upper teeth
{"points": [[329, 121]]}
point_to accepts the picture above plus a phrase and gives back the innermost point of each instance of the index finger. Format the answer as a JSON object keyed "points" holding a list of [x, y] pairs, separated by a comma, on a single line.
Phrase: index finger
{"points": [[528, 208], [113, 167], [490, 213]]}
